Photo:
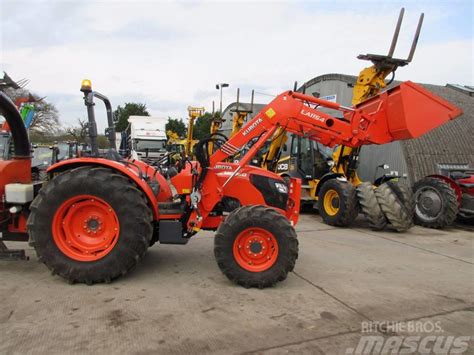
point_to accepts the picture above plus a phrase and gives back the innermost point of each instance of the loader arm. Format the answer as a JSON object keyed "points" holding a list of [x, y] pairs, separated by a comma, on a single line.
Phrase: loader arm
{"points": [[403, 112]]}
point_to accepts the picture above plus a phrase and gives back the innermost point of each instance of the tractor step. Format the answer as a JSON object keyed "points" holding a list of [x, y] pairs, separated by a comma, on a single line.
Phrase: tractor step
{"points": [[170, 208], [171, 232], [11, 254]]}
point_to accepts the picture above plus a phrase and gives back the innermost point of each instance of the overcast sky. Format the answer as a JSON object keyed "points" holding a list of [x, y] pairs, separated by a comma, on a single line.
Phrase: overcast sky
{"points": [[171, 54]]}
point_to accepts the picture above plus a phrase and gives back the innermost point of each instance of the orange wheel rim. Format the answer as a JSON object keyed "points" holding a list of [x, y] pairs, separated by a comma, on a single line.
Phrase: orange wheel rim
{"points": [[85, 228], [255, 249]]}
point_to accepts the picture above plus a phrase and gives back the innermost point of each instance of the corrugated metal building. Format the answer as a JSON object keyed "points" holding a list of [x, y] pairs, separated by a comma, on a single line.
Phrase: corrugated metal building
{"points": [[450, 143]]}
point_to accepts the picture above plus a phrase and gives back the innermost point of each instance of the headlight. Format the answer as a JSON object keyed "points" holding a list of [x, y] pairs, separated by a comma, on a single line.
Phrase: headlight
{"points": [[281, 187]]}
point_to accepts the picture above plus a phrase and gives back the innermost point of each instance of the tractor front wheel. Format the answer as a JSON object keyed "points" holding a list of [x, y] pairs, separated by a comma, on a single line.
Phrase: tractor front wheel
{"points": [[256, 246], [337, 203], [90, 225]]}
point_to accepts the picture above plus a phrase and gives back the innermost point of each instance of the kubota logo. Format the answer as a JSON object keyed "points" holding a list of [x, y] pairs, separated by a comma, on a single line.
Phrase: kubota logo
{"points": [[222, 167], [312, 115], [251, 127]]}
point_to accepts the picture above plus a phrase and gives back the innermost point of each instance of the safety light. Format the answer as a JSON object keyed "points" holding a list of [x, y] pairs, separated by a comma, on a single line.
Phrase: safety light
{"points": [[86, 85]]}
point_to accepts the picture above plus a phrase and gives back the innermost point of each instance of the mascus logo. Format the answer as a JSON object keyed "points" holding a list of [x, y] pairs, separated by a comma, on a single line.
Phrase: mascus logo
{"points": [[312, 115], [251, 127]]}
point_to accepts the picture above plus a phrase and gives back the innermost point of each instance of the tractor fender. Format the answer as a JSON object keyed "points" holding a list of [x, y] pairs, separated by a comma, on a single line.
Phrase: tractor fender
{"points": [[129, 172], [451, 183], [327, 177]]}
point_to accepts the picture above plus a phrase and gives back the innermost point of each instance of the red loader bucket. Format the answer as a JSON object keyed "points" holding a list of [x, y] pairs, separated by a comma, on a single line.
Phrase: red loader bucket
{"points": [[409, 111]]}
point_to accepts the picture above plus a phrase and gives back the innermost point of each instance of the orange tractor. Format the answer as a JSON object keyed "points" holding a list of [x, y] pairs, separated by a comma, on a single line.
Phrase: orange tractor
{"points": [[96, 217]]}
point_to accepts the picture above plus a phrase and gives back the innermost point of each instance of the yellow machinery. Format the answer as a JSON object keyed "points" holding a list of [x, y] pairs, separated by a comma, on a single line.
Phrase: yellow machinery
{"points": [[370, 82], [185, 145], [194, 113], [337, 203]]}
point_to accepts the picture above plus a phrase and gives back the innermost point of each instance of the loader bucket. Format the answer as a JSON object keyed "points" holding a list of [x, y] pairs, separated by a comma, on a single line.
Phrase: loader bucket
{"points": [[409, 111]]}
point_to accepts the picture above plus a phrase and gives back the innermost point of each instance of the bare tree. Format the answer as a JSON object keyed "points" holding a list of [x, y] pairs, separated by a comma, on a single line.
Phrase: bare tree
{"points": [[46, 117], [79, 131]]}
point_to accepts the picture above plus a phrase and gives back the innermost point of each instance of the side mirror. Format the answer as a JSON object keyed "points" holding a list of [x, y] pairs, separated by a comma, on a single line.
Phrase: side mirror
{"points": [[285, 148]]}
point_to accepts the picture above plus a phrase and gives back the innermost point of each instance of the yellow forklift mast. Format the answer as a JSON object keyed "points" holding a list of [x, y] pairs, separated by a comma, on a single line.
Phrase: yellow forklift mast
{"points": [[370, 82], [194, 113]]}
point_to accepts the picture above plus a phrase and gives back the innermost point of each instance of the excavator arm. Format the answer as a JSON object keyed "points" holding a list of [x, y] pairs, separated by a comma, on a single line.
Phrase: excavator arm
{"points": [[403, 112]]}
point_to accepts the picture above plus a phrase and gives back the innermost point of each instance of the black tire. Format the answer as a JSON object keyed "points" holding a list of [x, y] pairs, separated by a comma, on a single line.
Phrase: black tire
{"points": [[405, 196], [393, 208], [347, 209], [129, 205], [370, 207], [264, 218], [436, 203]]}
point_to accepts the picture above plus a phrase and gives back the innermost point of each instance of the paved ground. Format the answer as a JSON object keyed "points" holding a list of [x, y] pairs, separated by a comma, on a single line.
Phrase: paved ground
{"points": [[177, 301]]}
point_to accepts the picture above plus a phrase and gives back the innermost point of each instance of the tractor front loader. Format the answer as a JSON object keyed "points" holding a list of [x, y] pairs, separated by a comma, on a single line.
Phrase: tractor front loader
{"points": [[96, 217]]}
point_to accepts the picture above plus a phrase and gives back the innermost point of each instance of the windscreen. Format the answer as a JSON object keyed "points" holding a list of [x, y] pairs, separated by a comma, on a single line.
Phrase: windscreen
{"points": [[63, 151], [41, 156], [150, 145]]}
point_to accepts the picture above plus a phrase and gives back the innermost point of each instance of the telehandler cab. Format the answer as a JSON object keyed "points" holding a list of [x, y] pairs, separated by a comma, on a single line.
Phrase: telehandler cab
{"points": [[96, 217]]}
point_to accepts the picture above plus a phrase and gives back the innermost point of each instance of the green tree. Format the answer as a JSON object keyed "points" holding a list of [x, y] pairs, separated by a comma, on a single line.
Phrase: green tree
{"points": [[202, 126], [177, 126], [121, 114]]}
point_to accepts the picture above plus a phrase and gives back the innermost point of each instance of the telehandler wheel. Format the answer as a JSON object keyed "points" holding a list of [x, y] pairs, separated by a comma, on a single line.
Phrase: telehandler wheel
{"points": [[256, 246], [337, 203], [393, 208], [370, 207], [436, 203], [90, 225]]}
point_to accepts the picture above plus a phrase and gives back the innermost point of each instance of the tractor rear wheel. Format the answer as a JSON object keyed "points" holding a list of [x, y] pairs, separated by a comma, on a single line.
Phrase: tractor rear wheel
{"points": [[370, 207], [393, 208], [436, 203], [337, 203], [256, 246], [90, 225], [406, 196]]}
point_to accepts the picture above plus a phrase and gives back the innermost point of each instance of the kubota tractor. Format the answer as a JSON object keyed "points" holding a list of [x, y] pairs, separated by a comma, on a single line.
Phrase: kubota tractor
{"points": [[96, 217]]}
